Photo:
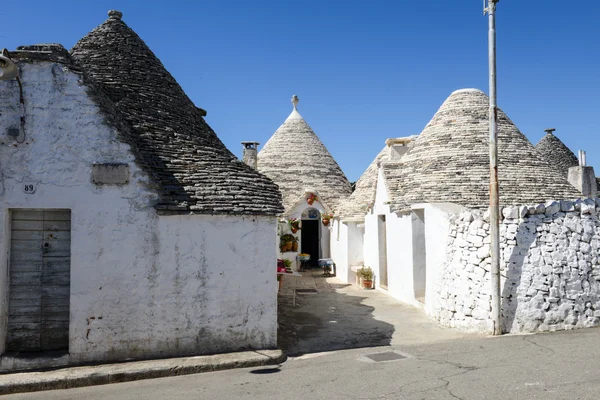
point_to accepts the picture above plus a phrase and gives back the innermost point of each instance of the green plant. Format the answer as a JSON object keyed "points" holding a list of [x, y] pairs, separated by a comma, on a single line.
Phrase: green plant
{"points": [[326, 216], [366, 273], [288, 264], [288, 237], [294, 223]]}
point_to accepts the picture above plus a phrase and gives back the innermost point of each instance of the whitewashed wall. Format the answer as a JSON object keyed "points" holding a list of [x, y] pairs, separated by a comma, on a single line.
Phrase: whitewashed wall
{"points": [[437, 226], [399, 246], [399, 235], [142, 285], [549, 265], [339, 249], [355, 235], [347, 248]]}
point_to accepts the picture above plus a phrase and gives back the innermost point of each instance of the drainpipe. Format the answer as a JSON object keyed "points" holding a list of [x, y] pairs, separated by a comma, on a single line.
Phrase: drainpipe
{"points": [[494, 192]]}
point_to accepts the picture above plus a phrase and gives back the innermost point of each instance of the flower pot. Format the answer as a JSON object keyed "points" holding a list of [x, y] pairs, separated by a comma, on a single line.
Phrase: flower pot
{"points": [[294, 246], [367, 284], [287, 246], [310, 201], [326, 222], [294, 230]]}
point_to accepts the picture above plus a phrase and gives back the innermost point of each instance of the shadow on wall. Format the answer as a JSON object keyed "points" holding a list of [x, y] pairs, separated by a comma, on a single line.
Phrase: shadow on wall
{"points": [[518, 241], [328, 321]]}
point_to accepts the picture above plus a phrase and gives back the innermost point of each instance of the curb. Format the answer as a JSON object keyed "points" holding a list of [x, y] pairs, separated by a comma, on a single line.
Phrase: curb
{"points": [[74, 377]]}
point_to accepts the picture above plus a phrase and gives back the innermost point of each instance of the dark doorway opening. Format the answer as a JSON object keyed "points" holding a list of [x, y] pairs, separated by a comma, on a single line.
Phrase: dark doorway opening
{"points": [[309, 243]]}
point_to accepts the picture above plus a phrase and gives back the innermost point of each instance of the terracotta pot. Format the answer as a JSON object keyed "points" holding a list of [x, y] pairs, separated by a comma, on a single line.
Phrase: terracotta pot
{"points": [[367, 284], [294, 230], [310, 201], [294, 246], [326, 222], [288, 246]]}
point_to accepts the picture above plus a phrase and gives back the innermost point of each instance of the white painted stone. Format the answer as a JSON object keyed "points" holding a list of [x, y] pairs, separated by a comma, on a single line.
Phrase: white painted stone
{"points": [[566, 206], [510, 212], [548, 263], [552, 207]]}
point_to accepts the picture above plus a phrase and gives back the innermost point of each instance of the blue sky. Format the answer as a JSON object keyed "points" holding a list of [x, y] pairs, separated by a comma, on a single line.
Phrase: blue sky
{"points": [[364, 71]]}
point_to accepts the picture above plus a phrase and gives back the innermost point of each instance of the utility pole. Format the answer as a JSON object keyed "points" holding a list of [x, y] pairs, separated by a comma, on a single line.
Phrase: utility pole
{"points": [[494, 192]]}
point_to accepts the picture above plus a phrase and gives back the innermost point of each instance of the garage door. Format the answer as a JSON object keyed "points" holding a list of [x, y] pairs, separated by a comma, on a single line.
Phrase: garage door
{"points": [[40, 264]]}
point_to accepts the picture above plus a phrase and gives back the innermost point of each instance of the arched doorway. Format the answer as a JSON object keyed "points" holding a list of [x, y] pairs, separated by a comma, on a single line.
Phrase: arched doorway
{"points": [[310, 241]]}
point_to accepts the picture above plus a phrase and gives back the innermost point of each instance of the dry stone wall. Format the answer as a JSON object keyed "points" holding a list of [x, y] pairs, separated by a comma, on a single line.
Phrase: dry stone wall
{"points": [[550, 269]]}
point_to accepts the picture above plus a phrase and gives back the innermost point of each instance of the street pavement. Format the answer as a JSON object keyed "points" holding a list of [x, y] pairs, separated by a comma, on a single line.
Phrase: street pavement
{"points": [[330, 360], [564, 365]]}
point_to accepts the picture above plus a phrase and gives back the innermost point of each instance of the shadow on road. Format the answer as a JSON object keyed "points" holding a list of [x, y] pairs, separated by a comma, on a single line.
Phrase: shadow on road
{"points": [[327, 320]]}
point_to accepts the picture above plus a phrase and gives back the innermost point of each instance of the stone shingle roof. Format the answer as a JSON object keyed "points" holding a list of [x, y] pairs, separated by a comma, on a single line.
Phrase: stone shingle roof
{"points": [[192, 169], [362, 199], [557, 153], [295, 159], [449, 161]]}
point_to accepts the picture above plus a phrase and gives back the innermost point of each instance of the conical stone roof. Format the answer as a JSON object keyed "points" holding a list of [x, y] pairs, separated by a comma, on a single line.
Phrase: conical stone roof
{"points": [[358, 203], [189, 165], [449, 161], [557, 153], [295, 159]]}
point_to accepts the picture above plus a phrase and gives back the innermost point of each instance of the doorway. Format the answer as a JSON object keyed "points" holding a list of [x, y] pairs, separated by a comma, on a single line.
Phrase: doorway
{"points": [[309, 242], [39, 281], [382, 244], [419, 255]]}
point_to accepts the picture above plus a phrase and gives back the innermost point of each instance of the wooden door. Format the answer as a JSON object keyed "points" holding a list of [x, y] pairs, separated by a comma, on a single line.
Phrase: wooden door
{"points": [[39, 292]]}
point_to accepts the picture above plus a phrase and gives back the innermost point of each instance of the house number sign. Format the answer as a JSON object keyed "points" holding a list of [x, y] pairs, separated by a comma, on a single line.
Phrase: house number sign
{"points": [[29, 187]]}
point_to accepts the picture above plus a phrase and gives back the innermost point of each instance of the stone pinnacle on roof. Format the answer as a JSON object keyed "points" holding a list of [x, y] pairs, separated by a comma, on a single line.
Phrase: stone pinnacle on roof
{"points": [[189, 165], [449, 161], [114, 14], [295, 159], [556, 152]]}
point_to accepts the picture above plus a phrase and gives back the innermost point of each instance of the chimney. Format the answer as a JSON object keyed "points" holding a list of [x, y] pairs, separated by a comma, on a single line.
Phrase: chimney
{"points": [[583, 177], [397, 148], [250, 156]]}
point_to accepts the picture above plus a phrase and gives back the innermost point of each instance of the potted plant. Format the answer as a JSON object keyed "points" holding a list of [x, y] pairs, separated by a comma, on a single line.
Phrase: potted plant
{"points": [[288, 265], [311, 198], [366, 275], [325, 218], [286, 242], [294, 224], [295, 244]]}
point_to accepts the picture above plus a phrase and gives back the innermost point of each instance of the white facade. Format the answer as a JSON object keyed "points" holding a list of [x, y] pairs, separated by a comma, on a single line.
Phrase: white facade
{"points": [[411, 244], [142, 285]]}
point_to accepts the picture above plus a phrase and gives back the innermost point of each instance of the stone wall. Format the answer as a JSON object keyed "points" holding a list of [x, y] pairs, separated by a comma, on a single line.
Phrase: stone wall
{"points": [[550, 269]]}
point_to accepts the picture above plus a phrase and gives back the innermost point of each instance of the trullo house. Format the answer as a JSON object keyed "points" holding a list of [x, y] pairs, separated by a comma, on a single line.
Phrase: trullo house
{"points": [[128, 230], [398, 220], [311, 182]]}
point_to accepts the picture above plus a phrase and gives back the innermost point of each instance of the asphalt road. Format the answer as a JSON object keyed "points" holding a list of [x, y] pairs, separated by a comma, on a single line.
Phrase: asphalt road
{"points": [[564, 365]]}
